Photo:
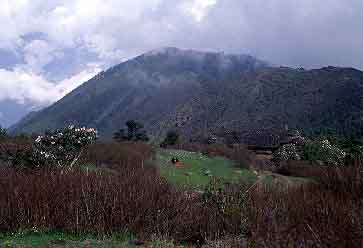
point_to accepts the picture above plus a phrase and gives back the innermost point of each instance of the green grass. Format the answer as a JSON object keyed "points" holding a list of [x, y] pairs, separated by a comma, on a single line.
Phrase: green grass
{"points": [[40, 239], [32, 239], [198, 169]]}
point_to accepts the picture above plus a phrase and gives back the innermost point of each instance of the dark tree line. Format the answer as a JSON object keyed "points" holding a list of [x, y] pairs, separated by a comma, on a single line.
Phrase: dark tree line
{"points": [[134, 132]]}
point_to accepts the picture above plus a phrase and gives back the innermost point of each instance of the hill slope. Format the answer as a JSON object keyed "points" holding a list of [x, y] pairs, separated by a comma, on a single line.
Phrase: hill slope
{"points": [[209, 93]]}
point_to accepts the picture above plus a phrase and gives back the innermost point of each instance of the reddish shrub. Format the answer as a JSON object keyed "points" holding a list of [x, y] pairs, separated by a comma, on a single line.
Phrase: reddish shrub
{"points": [[17, 151], [115, 153], [307, 216], [132, 198]]}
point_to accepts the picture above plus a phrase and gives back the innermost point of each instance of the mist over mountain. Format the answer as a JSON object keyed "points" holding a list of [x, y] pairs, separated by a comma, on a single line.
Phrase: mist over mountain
{"points": [[204, 93]]}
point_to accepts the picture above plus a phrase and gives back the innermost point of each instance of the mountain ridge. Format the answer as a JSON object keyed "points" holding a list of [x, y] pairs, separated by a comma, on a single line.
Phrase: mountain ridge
{"points": [[206, 93]]}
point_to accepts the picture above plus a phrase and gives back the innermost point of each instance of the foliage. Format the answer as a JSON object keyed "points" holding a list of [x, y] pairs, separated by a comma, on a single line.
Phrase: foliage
{"points": [[323, 150], [351, 145], [135, 132], [214, 192], [135, 198], [120, 135], [287, 152], [171, 139], [17, 151], [305, 216], [3, 133], [62, 147], [131, 197], [300, 148]]}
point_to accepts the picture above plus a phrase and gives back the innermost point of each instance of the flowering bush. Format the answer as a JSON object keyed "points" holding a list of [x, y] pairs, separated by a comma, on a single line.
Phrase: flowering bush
{"points": [[288, 152], [298, 139], [292, 150], [324, 151], [63, 147]]}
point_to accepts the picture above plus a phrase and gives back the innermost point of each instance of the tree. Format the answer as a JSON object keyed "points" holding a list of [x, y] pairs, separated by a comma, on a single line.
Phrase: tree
{"points": [[141, 136], [172, 138], [63, 147], [3, 133], [135, 132], [133, 129], [352, 145], [120, 135]]}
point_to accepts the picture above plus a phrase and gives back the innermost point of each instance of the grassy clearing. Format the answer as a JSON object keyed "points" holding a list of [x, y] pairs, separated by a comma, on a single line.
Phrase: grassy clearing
{"points": [[60, 240], [198, 169]]}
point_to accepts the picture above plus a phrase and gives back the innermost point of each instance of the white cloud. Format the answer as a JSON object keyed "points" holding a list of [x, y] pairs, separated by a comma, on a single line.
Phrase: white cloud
{"points": [[26, 87], [297, 32], [39, 53], [67, 85], [199, 8]]}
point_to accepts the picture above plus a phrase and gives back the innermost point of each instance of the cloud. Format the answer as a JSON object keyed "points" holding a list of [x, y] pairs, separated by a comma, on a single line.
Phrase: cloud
{"points": [[57, 40], [199, 8], [39, 53], [26, 87]]}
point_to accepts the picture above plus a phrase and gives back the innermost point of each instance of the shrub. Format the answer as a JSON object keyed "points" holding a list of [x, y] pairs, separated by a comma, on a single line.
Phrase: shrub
{"points": [[117, 154], [302, 149], [62, 147], [135, 132], [324, 151], [352, 145], [171, 139], [133, 197], [17, 151], [215, 193], [287, 152], [305, 216], [3, 133]]}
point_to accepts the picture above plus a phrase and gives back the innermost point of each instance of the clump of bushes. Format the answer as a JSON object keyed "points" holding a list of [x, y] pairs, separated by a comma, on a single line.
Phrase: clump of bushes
{"points": [[131, 196], [288, 152], [311, 150], [3, 133], [305, 216], [62, 147], [171, 139], [324, 151], [135, 132], [17, 152], [117, 154]]}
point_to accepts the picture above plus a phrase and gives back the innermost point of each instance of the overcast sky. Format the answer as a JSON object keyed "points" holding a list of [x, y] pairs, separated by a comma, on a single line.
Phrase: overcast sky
{"points": [[49, 47]]}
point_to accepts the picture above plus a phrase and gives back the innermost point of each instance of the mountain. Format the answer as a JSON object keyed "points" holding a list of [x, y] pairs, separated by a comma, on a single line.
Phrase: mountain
{"points": [[11, 112], [204, 93]]}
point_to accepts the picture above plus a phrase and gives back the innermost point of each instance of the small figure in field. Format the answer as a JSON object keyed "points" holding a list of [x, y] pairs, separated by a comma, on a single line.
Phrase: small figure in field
{"points": [[175, 161]]}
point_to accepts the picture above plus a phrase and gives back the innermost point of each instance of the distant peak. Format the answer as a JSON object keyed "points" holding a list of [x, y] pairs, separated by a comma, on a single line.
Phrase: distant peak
{"points": [[174, 51], [164, 50], [224, 60]]}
